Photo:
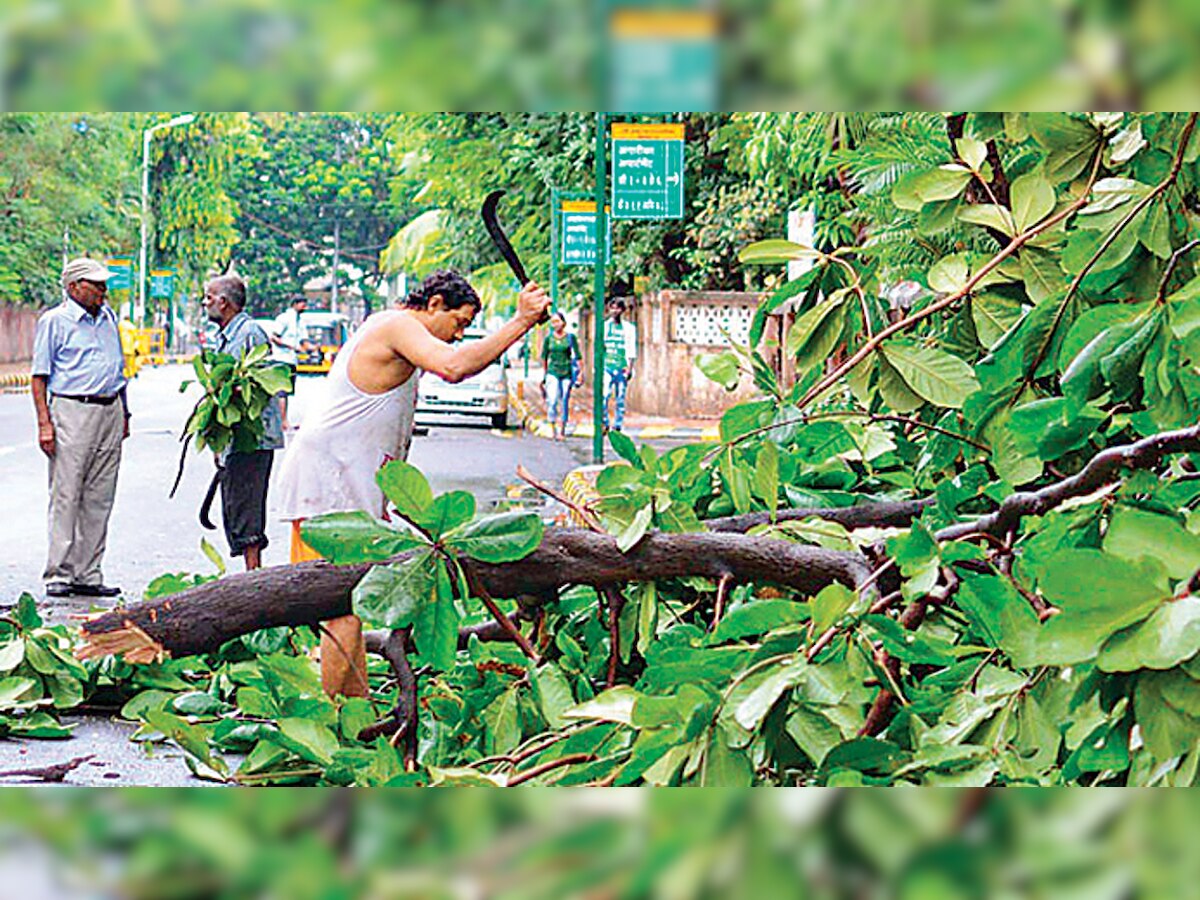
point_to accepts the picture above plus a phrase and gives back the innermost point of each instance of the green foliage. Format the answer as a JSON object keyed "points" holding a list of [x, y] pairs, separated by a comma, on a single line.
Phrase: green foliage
{"points": [[236, 392]]}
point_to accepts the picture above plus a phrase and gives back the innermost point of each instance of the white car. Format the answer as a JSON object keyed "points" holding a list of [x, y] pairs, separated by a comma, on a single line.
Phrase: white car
{"points": [[485, 394]]}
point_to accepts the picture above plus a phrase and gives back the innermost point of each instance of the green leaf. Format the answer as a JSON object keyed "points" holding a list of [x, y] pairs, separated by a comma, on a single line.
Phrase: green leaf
{"points": [[1098, 594], [829, 606], [1136, 534], [1167, 730], [864, 755], [754, 708], [647, 593], [949, 274], [213, 555], [1042, 272], [895, 390], [312, 740], [406, 487], [988, 215], [554, 695], [27, 615], [766, 476], [758, 617], [1032, 199], [273, 379], [1167, 638], [1071, 143], [719, 367], [435, 624], [12, 689], [11, 654], [1004, 617], [613, 705], [352, 537], [971, 151], [624, 447], [935, 375], [447, 512], [778, 251], [993, 315], [501, 538], [815, 333], [723, 765], [393, 596], [943, 183]]}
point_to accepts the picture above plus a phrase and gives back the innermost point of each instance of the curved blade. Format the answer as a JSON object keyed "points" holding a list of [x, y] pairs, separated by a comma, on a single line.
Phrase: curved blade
{"points": [[492, 223], [206, 506]]}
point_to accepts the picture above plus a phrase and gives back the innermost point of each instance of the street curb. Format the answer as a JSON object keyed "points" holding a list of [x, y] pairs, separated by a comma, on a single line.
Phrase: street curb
{"points": [[538, 426], [17, 379]]}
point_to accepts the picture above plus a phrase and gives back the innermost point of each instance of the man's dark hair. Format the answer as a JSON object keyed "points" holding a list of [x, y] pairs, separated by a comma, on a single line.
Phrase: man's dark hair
{"points": [[231, 287], [455, 291], [299, 298]]}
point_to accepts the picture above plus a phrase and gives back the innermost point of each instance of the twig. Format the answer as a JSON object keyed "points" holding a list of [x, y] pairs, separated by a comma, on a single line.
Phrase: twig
{"points": [[502, 620], [1161, 296], [55, 773], [542, 768], [722, 594], [585, 515], [615, 603]]}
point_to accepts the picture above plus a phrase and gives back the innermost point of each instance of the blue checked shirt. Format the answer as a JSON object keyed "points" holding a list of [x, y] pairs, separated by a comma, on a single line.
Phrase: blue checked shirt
{"points": [[79, 354]]}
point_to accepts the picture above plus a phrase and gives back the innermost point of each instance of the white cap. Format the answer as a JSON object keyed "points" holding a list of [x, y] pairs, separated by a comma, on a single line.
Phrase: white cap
{"points": [[85, 269]]}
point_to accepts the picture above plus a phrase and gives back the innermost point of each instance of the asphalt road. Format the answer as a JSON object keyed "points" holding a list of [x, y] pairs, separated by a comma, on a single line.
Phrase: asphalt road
{"points": [[150, 534]]}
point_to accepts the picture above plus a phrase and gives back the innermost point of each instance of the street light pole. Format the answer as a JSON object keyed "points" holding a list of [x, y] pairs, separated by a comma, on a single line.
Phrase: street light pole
{"points": [[140, 312]]}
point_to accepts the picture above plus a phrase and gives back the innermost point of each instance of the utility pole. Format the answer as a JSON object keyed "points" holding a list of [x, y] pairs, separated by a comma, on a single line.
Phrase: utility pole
{"points": [[598, 291]]}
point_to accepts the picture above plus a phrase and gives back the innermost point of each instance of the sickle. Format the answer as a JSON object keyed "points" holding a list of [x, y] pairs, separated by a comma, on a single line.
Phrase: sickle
{"points": [[206, 506], [492, 223]]}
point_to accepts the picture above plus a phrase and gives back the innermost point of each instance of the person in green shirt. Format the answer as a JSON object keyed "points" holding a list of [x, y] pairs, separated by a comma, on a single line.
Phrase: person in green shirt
{"points": [[560, 358], [620, 350]]}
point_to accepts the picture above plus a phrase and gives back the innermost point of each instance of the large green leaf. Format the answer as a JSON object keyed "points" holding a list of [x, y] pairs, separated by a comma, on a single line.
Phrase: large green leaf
{"points": [[404, 485], [1098, 595], [447, 512], [993, 315], [1167, 638], [352, 537], [502, 538], [778, 251], [937, 376], [943, 183], [719, 367], [815, 333], [1032, 199], [435, 624], [312, 740], [393, 596], [1071, 142], [1136, 533], [758, 617], [1003, 616]]}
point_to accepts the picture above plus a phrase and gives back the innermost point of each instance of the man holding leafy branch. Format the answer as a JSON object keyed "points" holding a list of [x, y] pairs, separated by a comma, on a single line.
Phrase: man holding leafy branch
{"points": [[245, 473], [365, 419]]}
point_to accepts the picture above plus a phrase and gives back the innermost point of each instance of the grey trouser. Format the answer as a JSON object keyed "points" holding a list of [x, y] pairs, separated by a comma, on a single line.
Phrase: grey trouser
{"points": [[83, 482]]}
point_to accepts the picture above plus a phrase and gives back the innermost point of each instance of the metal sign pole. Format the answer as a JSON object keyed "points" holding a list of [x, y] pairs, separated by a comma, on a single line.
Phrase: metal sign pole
{"points": [[598, 289]]}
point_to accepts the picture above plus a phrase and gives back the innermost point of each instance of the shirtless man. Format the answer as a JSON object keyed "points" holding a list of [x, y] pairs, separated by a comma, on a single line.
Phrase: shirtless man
{"points": [[364, 419]]}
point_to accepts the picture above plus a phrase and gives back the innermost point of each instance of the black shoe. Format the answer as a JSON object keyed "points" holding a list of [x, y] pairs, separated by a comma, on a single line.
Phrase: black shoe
{"points": [[58, 589], [95, 590]]}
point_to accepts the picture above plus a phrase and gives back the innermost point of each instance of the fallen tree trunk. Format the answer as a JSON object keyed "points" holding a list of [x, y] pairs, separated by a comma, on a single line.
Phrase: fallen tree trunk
{"points": [[202, 618], [898, 514]]}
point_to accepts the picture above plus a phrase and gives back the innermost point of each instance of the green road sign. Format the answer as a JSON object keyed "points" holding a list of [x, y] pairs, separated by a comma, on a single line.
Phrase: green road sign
{"points": [[579, 233], [122, 269], [663, 56], [162, 283], [647, 171]]}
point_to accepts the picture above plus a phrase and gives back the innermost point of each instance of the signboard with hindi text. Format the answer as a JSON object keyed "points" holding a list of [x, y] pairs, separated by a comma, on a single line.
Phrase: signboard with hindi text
{"points": [[162, 283], [122, 269], [578, 244], [647, 175]]}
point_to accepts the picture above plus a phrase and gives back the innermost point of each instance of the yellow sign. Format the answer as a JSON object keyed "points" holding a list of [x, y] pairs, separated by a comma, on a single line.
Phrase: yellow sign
{"points": [[584, 206], [663, 23], [655, 132]]}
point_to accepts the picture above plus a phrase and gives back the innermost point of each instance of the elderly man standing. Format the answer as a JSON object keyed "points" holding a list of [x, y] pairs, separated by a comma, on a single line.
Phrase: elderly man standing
{"points": [[245, 476], [82, 418]]}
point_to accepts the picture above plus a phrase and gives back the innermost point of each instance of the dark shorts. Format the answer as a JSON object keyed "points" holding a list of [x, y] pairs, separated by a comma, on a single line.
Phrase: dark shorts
{"points": [[244, 499]]}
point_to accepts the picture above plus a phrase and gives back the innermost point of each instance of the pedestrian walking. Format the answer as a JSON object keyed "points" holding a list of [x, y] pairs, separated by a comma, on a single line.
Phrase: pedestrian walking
{"points": [[82, 413], [364, 419], [288, 337], [561, 366], [620, 351], [244, 475]]}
